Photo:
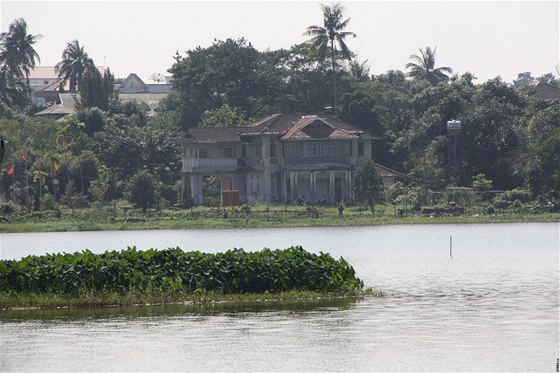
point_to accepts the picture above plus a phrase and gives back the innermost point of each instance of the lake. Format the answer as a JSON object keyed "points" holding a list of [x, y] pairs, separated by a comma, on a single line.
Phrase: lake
{"points": [[492, 306]]}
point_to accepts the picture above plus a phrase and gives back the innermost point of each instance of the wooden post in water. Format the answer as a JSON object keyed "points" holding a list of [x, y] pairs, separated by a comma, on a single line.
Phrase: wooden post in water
{"points": [[451, 247]]}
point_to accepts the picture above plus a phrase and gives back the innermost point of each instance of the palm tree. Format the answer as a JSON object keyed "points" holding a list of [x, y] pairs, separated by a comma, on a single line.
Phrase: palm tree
{"points": [[17, 54], [74, 63], [13, 91], [323, 38], [424, 68]]}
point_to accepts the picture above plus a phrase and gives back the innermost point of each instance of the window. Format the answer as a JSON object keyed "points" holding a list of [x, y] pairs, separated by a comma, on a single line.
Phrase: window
{"points": [[322, 149], [202, 153], [332, 150], [46, 82], [361, 148], [228, 152], [272, 149]]}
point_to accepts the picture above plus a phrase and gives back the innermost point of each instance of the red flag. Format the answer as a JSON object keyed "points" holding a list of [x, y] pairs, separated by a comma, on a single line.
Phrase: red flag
{"points": [[24, 155], [11, 170]]}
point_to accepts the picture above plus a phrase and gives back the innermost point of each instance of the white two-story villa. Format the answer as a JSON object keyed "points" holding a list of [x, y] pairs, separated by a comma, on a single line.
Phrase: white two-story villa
{"points": [[282, 158]]}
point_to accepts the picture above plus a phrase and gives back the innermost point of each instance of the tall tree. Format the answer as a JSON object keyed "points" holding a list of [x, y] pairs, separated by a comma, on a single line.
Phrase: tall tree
{"points": [[74, 63], [96, 90], [324, 38], [228, 72], [17, 54], [367, 186], [424, 67]]}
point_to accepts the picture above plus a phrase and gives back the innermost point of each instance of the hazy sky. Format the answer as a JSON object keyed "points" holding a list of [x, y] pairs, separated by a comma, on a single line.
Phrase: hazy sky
{"points": [[485, 38]]}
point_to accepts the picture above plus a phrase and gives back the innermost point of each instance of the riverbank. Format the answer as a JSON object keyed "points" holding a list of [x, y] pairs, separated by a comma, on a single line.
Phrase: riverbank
{"points": [[105, 219]]}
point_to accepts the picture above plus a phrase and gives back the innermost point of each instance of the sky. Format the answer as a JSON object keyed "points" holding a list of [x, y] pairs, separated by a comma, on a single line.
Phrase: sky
{"points": [[487, 39]]}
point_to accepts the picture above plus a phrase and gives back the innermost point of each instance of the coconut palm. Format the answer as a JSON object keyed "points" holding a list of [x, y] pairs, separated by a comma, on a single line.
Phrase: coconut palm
{"points": [[13, 91], [17, 54], [74, 63], [324, 38], [424, 68]]}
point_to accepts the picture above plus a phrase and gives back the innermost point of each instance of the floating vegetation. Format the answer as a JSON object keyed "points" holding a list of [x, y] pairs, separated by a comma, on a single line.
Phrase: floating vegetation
{"points": [[174, 271]]}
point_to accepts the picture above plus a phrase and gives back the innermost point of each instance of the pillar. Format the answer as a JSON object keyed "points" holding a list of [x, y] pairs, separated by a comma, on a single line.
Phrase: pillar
{"points": [[196, 189], [331, 186], [312, 186]]}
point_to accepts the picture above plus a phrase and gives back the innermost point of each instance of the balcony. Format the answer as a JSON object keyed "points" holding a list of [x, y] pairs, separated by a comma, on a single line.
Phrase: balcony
{"points": [[210, 165]]}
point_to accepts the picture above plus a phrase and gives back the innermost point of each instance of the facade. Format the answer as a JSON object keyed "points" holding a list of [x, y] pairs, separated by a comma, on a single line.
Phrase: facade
{"points": [[283, 158]]}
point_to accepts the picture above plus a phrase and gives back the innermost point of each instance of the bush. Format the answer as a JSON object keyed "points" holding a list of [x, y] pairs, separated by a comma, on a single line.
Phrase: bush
{"points": [[522, 195], [8, 208], [143, 190], [490, 210]]}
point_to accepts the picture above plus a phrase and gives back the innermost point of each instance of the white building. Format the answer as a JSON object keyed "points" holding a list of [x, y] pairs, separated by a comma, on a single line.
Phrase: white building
{"points": [[281, 158]]}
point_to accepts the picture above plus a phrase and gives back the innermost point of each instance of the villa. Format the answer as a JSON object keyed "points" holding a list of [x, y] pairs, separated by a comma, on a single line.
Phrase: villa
{"points": [[283, 158]]}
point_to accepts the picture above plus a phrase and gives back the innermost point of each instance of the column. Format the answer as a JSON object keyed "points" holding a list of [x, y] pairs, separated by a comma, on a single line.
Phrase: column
{"points": [[196, 189], [331, 186], [312, 186], [295, 185], [348, 185], [292, 186]]}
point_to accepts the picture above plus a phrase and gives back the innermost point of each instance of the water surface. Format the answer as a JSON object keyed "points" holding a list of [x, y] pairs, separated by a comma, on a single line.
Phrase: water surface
{"points": [[493, 306]]}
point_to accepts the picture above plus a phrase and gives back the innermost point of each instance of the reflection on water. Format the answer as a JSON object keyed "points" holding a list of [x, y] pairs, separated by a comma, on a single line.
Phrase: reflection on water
{"points": [[168, 310], [493, 307]]}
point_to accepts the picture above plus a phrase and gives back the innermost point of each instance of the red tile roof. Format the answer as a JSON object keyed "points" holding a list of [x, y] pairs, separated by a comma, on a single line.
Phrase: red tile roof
{"points": [[292, 127]]}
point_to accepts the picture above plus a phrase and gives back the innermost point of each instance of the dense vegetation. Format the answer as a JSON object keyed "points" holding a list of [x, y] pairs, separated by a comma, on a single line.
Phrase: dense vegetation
{"points": [[112, 150], [173, 270]]}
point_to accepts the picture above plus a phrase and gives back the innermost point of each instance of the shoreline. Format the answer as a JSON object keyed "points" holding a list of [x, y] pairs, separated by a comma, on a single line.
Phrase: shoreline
{"points": [[20, 302], [217, 224]]}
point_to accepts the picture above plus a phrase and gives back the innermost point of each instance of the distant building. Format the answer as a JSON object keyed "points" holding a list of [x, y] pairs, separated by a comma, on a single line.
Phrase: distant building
{"points": [[281, 158], [133, 84], [544, 91], [131, 89], [45, 84]]}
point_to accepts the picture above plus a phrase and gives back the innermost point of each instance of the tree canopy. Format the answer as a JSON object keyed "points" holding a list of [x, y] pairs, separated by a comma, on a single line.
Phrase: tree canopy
{"points": [[331, 37], [73, 65], [424, 67], [17, 54]]}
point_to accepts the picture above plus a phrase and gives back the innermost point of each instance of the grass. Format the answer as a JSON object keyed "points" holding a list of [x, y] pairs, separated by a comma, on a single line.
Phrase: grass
{"points": [[261, 216]]}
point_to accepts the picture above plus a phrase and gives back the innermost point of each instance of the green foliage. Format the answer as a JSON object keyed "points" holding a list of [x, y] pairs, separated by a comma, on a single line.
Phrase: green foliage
{"points": [[424, 68], [480, 183], [173, 270], [73, 65], [225, 116], [330, 40], [17, 54], [96, 90], [228, 72], [143, 190], [360, 109], [544, 174], [367, 186]]}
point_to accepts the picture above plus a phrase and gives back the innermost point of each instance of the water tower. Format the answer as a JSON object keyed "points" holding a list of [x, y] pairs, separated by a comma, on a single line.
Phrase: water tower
{"points": [[455, 151]]}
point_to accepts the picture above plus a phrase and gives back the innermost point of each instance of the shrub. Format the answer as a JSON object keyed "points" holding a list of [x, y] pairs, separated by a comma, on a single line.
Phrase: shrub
{"points": [[490, 210], [143, 188]]}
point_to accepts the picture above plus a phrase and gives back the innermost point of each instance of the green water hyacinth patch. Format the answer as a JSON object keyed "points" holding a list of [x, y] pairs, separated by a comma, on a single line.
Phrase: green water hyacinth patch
{"points": [[174, 270]]}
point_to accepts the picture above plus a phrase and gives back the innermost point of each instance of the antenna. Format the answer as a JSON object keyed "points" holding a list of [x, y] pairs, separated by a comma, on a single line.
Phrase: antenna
{"points": [[158, 77]]}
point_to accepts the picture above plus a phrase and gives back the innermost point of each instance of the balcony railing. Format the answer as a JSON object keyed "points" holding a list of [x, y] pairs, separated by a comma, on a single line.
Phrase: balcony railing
{"points": [[316, 160], [210, 164]]}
